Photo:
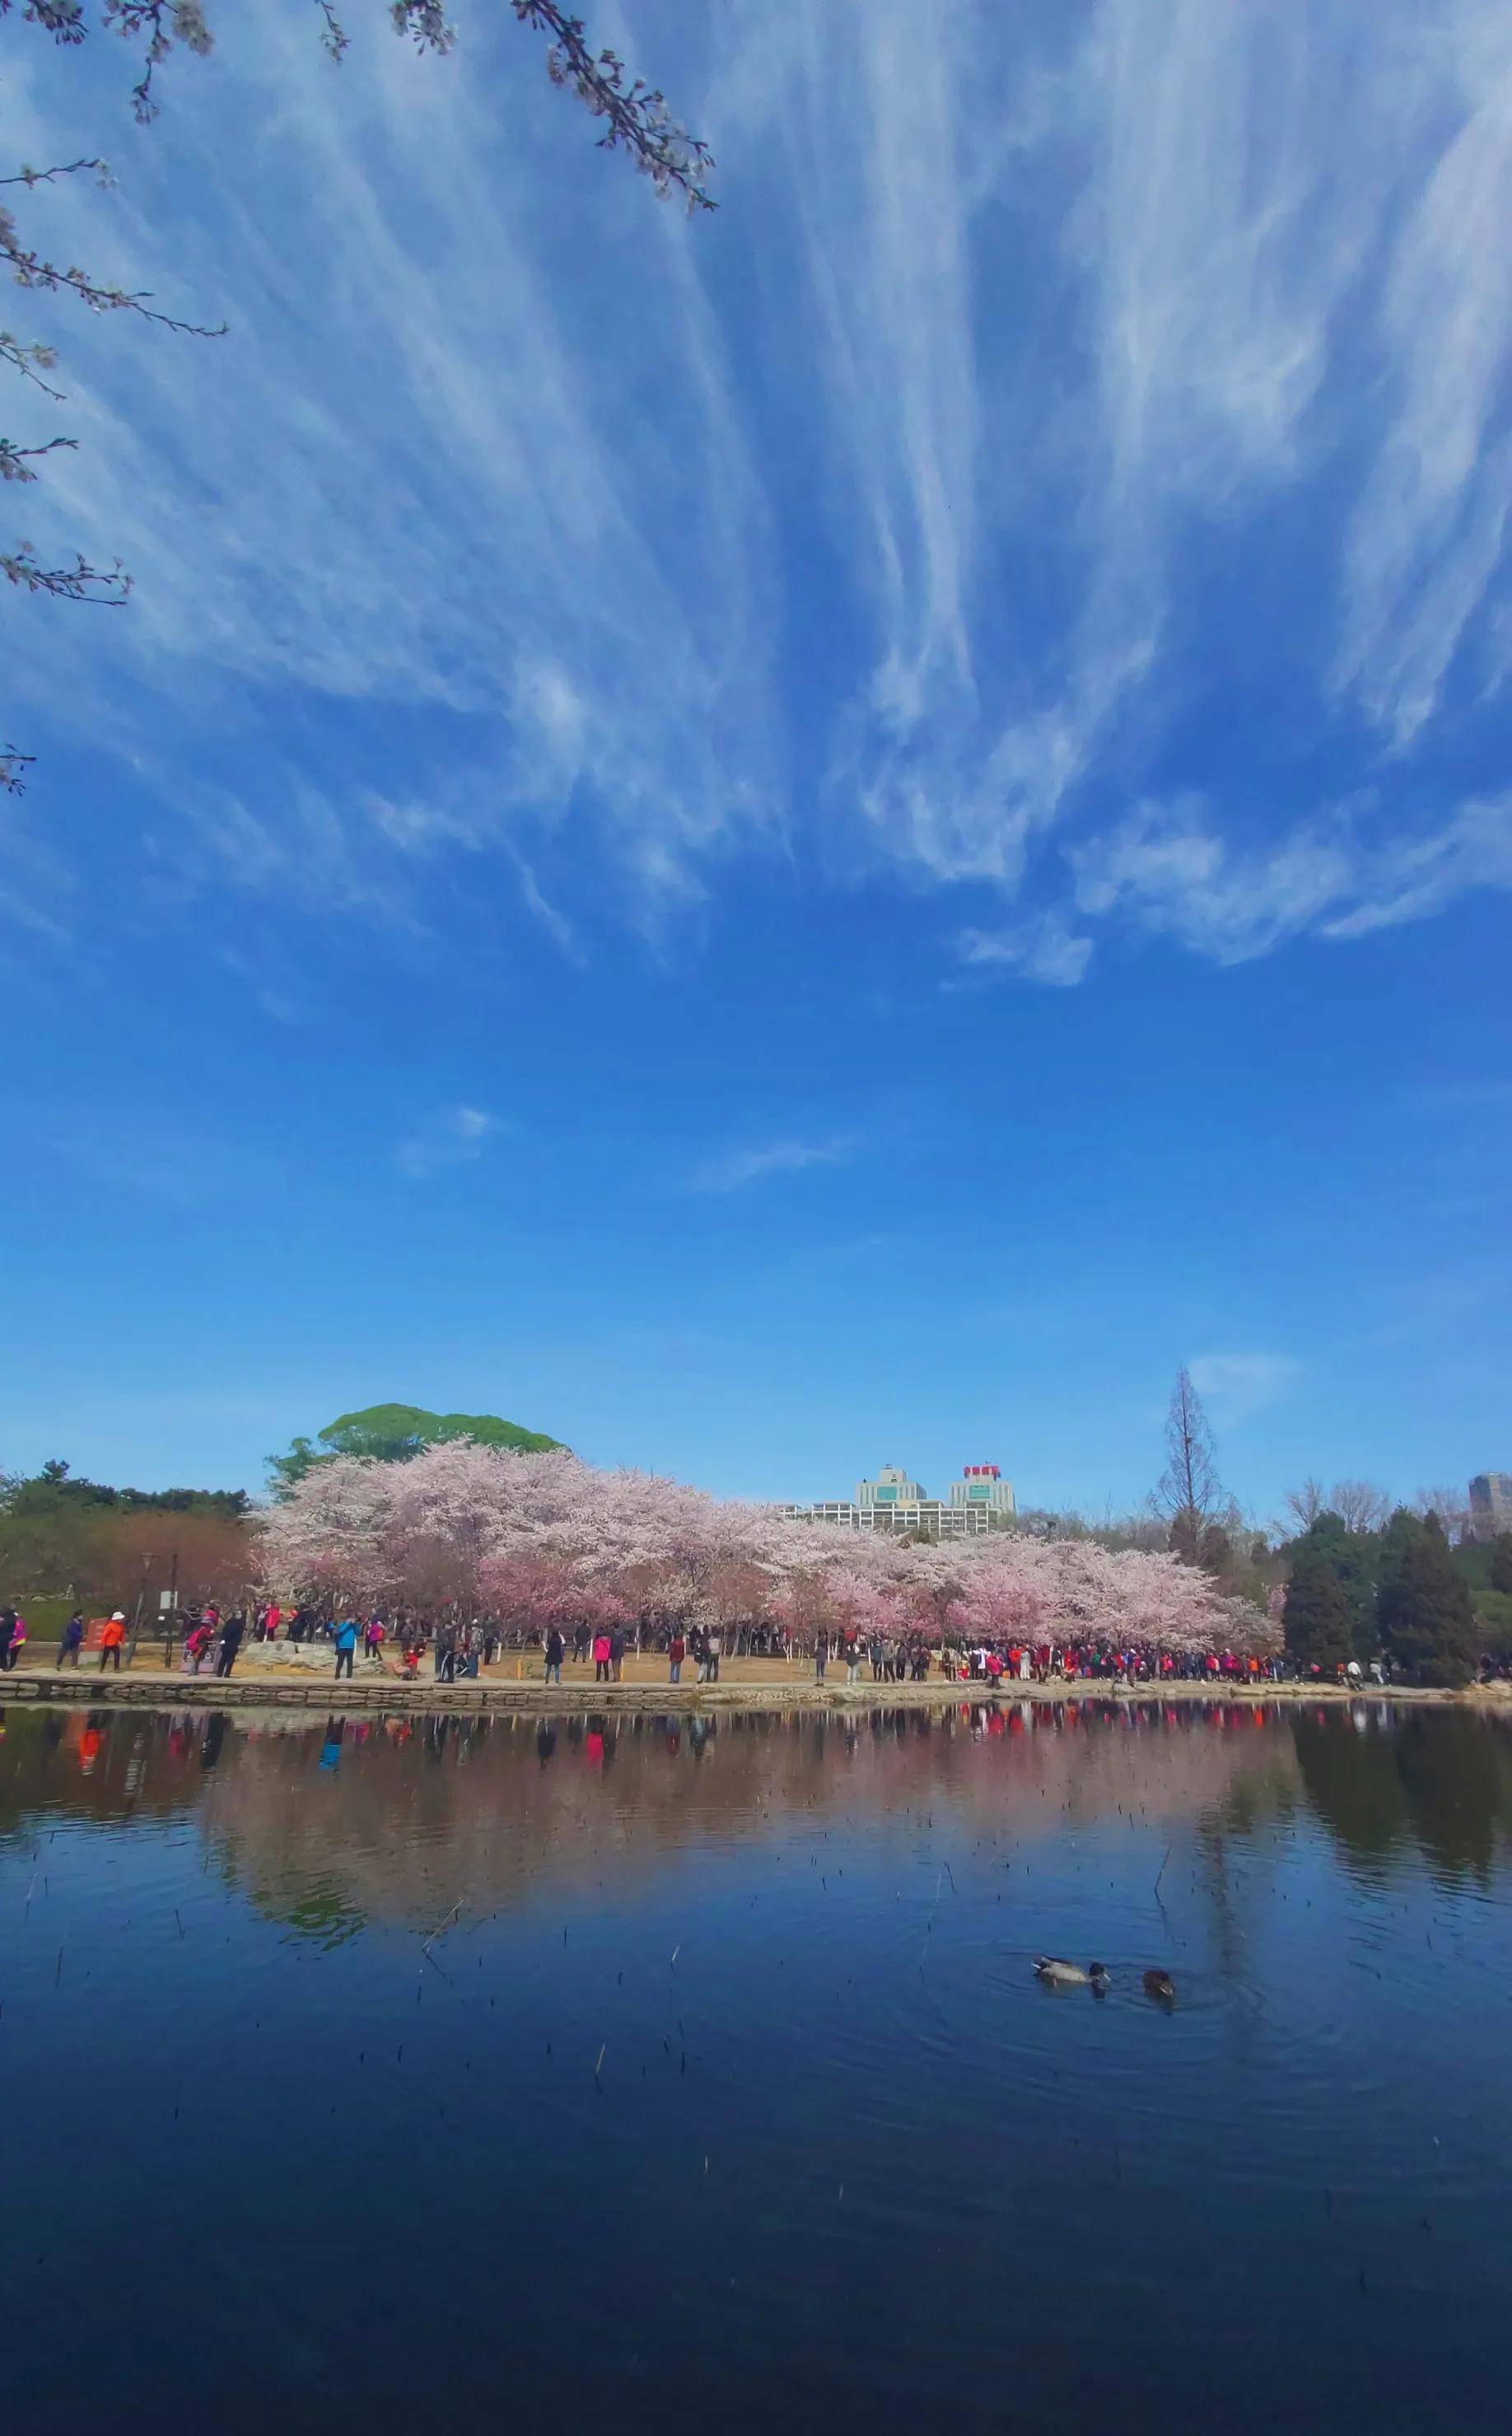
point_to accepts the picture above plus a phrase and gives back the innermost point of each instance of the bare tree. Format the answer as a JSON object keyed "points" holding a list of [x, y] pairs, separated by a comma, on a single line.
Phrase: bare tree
{"points": [[1305, 1504], [1358, 1505], [1451, 1505], [1189, 1494], [636, 116]]}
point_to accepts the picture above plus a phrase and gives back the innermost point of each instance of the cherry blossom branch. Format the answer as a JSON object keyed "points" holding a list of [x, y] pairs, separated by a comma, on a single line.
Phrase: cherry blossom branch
{"points": [[12, 765], [25, 177], [62, 19], [93, 585], [28, 269], [165, 23], [31, 362], [103, 588], [79, 581], [334, 40], [638, 119], [13, 469]]}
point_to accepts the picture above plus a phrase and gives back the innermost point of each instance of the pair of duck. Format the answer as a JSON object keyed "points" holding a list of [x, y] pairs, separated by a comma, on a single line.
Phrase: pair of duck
{"points": [[1097, 1977]]}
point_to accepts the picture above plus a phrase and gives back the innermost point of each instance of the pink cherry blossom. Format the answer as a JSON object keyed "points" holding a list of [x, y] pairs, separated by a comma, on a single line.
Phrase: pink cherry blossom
{"points": [[547, 1537]]}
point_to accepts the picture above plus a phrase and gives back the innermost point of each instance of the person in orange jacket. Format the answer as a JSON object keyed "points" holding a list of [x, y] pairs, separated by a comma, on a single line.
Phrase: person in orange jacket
{"points": [[112, 1636]]}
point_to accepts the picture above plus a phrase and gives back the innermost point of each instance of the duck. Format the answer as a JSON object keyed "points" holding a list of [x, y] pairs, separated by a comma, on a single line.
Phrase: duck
{"points": [[1057, 1973], [1161, 1985]]}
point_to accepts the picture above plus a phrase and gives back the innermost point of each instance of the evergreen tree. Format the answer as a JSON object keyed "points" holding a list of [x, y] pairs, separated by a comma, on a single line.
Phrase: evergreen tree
{"points": [[1501, 1569], [1354, 1556], [1317, 1619], [1216, 1552], [1182, 1539], [1403, 1532], [1427, 1616]]}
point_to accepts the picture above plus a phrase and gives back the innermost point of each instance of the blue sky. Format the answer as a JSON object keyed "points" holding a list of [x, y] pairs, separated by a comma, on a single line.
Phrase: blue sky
{"points": [[830, 834]]}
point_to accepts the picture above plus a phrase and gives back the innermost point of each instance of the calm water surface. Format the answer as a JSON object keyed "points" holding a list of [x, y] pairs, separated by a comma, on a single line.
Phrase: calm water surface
{"points": [[518, 2075]]}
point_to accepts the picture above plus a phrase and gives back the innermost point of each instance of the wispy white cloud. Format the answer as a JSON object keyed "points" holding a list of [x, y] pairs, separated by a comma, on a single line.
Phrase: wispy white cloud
{"points": [[1238, 1385], [30, 916], [451, 1137], [1167, 869], [511, 513], [1427, 534], [1410, 877], [458, 507], [728, 1170], [1046, 950]]}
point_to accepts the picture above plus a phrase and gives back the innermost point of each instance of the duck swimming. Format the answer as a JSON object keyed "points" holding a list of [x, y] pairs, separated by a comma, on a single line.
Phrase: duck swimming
{"points": [[1161, 1985], [1057, 1973]]}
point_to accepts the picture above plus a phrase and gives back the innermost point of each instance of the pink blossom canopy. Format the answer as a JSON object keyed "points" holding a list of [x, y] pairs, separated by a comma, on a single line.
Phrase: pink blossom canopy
{"points": [[546, 1538]]}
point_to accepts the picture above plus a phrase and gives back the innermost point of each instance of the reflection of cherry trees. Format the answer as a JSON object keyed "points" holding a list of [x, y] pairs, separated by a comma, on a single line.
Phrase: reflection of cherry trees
{"points": [[610, 1808], [538, 1538], [398, 1834]]}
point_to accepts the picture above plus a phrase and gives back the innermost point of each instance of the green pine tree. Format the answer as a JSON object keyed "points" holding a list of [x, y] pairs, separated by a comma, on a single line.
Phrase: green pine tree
{"points": [[1353, 1557], [1403, 1532], [1317, 1619], [1215, 1550], [1501, 1571], [1427, 1615]]}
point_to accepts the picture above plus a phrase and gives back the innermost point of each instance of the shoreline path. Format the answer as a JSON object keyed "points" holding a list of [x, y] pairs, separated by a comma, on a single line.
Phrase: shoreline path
{"points": [[517, 1682]]}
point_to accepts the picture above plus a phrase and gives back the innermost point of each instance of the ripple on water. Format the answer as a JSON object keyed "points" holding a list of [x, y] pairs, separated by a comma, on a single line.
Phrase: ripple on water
{"points": [[883, 2111]]}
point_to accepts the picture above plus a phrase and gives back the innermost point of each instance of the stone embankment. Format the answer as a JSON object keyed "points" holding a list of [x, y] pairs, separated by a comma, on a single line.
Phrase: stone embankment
{"points": [[374, 1687]]}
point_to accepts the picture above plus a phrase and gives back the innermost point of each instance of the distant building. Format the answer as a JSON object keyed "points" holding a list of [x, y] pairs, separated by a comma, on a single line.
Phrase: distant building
{"points": [[890, 1487], [982, 1484], [980, 1501], [1490, 1505]]}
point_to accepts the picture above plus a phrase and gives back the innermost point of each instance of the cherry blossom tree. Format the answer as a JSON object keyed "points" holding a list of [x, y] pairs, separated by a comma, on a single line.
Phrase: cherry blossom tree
{"points": [[534, 1538], [998, 1602]]}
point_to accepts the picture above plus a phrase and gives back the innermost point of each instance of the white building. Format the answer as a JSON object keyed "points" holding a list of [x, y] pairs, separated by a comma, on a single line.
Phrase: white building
{"points": [[980, 1500], [1490, 1505], [890, 1487], [982, 1484]]}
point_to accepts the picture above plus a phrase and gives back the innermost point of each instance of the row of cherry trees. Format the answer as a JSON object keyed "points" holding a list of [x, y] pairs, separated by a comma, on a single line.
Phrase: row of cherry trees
{"points": [[540, 1538]]}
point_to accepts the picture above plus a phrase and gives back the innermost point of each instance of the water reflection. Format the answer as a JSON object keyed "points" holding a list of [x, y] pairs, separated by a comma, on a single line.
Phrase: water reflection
{"points": [[679, 2072], [519, 1799], [1436, 1780]]}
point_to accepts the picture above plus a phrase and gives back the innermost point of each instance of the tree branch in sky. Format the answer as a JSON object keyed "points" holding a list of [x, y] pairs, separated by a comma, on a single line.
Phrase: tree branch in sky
{"points": [[636, 121]]}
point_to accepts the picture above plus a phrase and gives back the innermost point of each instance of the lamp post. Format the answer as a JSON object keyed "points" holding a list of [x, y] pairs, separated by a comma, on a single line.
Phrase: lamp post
{"points": [[169, 1608]]}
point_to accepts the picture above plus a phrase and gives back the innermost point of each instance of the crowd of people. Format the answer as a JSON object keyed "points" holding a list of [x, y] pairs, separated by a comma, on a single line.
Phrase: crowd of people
{"points": [[210, 1641], [460, 1649]]}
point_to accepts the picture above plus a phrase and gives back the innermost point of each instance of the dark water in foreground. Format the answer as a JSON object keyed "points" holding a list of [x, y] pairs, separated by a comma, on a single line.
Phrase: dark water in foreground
{"points": [[268, 2164]]}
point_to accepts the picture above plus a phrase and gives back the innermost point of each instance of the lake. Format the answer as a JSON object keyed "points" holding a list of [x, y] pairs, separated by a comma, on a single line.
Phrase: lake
{"points": [[663, 2074]]}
